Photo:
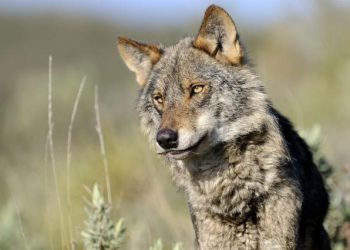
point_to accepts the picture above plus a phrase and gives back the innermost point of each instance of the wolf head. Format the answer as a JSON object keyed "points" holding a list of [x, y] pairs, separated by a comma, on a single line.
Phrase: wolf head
{"points": [[198, 93]]}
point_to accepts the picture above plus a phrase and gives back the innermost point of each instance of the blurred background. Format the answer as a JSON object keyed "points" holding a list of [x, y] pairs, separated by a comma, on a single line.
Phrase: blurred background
{"points": [[301, 49]]}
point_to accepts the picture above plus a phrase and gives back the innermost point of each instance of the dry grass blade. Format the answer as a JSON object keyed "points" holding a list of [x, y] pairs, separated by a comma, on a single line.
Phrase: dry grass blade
{"points": [[52, 156], [21, 229], [69, 158], [46, 187], [102, 146]]}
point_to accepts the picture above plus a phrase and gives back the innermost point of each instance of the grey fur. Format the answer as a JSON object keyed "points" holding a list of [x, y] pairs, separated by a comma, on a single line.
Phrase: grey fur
{"points": [[251, 183]]}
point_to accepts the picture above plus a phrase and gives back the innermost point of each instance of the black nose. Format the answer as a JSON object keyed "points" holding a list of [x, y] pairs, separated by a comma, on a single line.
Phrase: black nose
{"points": [[167, 138]]}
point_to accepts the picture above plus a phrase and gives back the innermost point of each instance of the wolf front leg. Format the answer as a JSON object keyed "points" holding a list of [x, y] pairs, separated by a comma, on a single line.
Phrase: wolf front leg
{"points": [[279, 223]]}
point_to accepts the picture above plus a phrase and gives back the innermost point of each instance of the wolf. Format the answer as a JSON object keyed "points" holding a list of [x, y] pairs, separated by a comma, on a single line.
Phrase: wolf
{"points": [[249, 178]]}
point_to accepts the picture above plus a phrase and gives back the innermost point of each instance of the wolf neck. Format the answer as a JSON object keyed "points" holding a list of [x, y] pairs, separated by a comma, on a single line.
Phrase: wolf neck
{"points": [[224, 187]]}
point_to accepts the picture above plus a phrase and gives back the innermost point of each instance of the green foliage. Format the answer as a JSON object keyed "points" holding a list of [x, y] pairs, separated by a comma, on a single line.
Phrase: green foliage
{"points": [[313, 139], [9, 229], [178, 246], [101, 233], [100, 230], [158, 245]]}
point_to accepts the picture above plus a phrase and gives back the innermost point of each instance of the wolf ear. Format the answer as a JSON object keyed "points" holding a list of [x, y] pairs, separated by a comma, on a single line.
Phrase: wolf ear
{"points": [[138, 57], [219, 38]]}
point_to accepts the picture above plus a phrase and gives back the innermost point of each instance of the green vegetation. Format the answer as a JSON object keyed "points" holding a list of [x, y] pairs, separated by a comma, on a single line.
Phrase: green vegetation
{"points": [[158, 245], [338, 220], [305, 63], [100, 231]]}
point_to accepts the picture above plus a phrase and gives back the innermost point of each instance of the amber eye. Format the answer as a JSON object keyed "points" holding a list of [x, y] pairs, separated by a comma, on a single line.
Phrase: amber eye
{"points": [[197, 89], [158, 99]]}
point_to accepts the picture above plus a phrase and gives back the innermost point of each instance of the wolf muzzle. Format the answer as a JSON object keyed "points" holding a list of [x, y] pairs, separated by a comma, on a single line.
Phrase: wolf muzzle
{"points": [[167, 138]]}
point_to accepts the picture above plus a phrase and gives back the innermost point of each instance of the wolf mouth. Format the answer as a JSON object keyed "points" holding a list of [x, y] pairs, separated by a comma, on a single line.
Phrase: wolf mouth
{"points": [[190, 149]]}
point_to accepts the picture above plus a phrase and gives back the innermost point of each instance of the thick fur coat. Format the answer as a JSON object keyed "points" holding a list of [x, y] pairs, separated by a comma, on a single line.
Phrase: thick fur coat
{"points": [[249, 178]]}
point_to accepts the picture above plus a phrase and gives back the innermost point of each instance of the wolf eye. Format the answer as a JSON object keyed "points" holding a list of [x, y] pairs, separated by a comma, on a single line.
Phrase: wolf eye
{"points": [[197, 89], [158, 99]]}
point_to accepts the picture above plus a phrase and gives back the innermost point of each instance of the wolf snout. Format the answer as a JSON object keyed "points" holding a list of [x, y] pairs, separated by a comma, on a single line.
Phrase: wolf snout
{"points": [[167, 138]]}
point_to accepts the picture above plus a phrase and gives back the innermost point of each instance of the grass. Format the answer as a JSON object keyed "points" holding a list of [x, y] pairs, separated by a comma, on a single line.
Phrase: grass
{"points": [[143, 195], [69, 159], [101, 232], [64, 239], [102, 146]]}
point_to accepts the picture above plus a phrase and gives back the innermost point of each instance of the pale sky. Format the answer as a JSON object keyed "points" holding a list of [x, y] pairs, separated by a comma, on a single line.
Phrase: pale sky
{"points": [[160, 12]]}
